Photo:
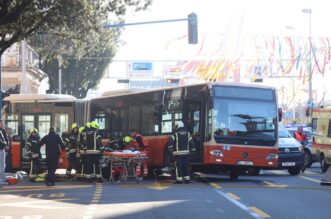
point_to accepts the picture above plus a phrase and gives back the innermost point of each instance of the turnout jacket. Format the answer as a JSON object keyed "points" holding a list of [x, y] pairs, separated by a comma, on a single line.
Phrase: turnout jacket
{"points": [[180, 143], [72, 142], [33, 146]]}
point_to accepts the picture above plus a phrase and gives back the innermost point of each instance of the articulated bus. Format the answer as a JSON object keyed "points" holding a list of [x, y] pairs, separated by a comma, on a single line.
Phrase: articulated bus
{"points": [[41, 111], [234, 126]]}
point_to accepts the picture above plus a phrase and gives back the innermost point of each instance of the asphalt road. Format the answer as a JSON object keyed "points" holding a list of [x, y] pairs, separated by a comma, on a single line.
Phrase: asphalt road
{"points": [[273, 194]]}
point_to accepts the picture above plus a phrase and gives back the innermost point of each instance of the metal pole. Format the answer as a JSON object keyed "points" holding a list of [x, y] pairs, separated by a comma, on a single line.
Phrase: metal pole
{"points": [[23, 75], [310, 85], [60, 75]]}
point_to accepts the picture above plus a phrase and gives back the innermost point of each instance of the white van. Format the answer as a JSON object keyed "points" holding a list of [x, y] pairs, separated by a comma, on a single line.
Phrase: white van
{"points": [[290, 152]]}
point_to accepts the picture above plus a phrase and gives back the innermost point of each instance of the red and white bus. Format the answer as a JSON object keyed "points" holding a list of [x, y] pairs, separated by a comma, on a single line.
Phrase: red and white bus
{"points": [[234, 126]]}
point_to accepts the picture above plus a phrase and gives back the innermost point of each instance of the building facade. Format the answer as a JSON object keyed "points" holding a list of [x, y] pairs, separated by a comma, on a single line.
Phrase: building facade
{"points": [[21, 73]]}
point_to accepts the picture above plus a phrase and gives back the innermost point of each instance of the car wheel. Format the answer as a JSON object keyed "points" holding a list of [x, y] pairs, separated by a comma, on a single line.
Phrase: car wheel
{"points": [[308, 160], [294, 171], [324, 165], [253, 172]]}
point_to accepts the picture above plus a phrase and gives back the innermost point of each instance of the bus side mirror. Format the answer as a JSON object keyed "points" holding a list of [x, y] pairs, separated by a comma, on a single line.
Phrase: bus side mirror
{"points": [[280, 114]]}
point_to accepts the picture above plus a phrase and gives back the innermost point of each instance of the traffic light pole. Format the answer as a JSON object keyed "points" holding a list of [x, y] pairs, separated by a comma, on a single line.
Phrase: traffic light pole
{"points": [[192, 20]]}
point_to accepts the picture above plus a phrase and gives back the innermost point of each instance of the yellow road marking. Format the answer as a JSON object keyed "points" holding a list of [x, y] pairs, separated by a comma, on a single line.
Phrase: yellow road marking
{"points": [[310, 179], [35, 196], [259, 212], [95, 201], [57, 195], [270, 184], [215, 185], [44, 188], [233, 196]]}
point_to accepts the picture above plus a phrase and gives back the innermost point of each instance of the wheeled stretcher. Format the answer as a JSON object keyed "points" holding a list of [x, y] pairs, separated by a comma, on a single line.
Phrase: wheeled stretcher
{"points": [[125, 161]]}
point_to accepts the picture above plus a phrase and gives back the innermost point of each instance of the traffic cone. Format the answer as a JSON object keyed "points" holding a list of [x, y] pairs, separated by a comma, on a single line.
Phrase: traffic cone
{"points": [[145, 169]]}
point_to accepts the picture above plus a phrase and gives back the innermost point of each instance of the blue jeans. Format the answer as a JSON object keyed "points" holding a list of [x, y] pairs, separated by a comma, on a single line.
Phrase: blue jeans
{"points": [[3, 165]]}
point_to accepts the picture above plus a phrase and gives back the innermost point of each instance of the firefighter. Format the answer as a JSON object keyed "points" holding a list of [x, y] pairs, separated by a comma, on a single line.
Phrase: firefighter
{"points": [[34, 154], [180, 144], [72, 149], [139, 145], [94, 151], [84, 174]]}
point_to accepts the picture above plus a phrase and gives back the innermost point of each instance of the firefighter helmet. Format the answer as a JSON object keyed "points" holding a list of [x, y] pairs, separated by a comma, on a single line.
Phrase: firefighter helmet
{"points": [[74, 125], [81, 129], [33, 130], [127, 139], [94, 124]]}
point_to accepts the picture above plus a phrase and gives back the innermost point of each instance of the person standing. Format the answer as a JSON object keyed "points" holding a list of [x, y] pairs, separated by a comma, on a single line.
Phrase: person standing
{"points": [[72, 142], [3, 148], [300, 136], [139, 144], [180, 143], [34, 153], [9, 132], [54, 146]]}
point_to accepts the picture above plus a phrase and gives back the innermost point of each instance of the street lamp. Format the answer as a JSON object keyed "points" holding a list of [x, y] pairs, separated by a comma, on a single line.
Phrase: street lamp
{"points": [[310, 85]]}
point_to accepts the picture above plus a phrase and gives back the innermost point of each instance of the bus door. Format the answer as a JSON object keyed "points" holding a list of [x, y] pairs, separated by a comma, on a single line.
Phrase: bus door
{"points": [[192, 118], [42, 122]]}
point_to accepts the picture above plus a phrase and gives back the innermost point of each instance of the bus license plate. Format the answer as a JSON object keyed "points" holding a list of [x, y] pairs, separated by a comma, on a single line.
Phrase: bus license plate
{"points": [[288, 164], [244, 162]]}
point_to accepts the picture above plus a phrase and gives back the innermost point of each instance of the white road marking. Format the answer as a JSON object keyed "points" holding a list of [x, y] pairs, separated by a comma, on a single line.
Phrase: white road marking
{"points": [[310, 179], [238, 204], [32, 204]]}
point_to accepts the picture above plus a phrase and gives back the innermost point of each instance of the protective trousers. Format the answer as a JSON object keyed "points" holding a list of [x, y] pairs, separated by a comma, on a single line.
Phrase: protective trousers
{"points": [[96, 165], [73, 164], [52, 164], [182, 167], [34, 167]]}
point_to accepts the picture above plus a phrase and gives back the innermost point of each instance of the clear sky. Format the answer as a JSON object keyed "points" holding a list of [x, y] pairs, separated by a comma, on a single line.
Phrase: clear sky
{"points": [[235, 18]]}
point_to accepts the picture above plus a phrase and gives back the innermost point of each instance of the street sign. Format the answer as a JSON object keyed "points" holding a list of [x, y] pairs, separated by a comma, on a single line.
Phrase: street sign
{"points": [[139, 70]]}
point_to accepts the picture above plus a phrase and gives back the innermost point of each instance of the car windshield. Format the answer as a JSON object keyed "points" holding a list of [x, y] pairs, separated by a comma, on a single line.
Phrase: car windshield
{"points": [[283, 132]]}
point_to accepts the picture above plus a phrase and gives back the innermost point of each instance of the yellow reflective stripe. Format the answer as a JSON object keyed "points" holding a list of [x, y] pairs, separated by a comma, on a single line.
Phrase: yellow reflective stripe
{"points": [[184, 152], [176, 141], [176, 169], [31, 167]]}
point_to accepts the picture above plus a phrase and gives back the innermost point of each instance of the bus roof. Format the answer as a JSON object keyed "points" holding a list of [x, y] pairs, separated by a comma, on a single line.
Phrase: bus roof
{"points": [[40, 98], [123, 92]]}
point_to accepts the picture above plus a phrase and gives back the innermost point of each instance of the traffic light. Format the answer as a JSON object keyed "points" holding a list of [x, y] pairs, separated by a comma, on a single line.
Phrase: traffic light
{"points": [[192, 22]]}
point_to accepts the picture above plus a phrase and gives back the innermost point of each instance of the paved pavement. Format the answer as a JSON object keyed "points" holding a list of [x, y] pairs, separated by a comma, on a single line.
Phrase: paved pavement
{"points": [[273, 194]]}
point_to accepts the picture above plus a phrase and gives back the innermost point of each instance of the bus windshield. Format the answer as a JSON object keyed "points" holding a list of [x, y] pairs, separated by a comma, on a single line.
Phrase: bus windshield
{"points": [[243, 120]]}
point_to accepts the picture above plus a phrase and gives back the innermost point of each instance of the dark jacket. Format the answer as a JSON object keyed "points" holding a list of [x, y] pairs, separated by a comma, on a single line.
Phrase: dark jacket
{"points": [[53, 142], [181, 143], [3, 139]]}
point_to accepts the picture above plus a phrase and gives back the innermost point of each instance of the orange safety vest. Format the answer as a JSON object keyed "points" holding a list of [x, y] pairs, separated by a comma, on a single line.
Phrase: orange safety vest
{"points": [[300, 137]]}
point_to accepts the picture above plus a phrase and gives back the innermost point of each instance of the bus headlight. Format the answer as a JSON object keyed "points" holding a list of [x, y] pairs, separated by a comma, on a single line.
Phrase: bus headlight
{"points": [[216, 153], [272, 157]]}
